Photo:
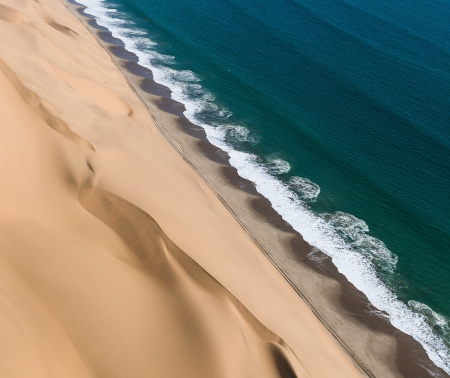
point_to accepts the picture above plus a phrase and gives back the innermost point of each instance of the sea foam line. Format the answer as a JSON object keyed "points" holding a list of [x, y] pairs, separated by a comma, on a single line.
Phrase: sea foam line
{"points": [[314, 229]]}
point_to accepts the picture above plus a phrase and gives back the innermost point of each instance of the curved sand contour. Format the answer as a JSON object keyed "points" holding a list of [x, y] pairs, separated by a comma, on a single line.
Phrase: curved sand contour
{"points": [[95, 92]]}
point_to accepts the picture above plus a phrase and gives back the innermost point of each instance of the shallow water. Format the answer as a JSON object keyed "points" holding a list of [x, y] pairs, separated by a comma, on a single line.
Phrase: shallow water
{"points": [[339, 113]]}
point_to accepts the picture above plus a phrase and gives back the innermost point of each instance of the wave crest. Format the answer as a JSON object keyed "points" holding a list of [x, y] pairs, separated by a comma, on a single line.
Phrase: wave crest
{"points": [[347, 225], [278, 166], [353, 231], [305, 188], [235, 133], [438, 322]]}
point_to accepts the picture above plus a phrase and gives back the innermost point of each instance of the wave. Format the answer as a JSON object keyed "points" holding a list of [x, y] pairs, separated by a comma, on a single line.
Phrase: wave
{"points": [[278, 166], [236, 133], [439, 323], [341, 236], [305, 188], [353, 230]]}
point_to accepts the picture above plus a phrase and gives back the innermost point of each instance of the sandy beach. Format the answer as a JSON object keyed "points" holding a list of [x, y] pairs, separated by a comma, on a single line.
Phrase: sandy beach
{"points": [[129, 247]]}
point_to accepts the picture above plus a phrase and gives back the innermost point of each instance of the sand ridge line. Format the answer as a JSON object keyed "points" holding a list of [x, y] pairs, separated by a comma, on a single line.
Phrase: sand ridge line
{"points": [[96, 93], [35, 102], [159, 257]]}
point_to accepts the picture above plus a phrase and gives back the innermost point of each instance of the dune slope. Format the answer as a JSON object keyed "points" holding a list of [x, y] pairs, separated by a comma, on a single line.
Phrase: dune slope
{"points": [[116, 259]]}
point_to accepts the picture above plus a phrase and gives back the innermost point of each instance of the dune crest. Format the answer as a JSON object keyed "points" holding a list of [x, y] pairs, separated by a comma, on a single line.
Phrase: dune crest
{"points": [[170, 268], [96, 93], [34, 101], [10, 15], [61, 28]]}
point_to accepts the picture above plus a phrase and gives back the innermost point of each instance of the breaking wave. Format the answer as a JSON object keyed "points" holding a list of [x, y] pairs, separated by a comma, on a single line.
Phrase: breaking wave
{"points": [[305, 188], [278, 166], [353, 230]]}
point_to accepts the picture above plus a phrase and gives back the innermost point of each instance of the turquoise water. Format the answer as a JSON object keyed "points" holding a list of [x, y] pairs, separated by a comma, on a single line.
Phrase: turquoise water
{"points": [[339, 112]]}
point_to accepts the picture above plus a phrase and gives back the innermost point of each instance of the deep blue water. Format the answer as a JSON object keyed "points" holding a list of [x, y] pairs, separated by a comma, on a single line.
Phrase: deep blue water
{"points": [[351, 95]]}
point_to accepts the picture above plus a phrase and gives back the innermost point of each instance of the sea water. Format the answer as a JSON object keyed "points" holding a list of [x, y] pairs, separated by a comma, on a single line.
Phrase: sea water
{"points": [[339, 112]]}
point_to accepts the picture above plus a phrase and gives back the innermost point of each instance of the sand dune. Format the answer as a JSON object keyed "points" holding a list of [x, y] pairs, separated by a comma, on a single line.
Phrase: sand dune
{"points": [[95, 93], [116, 258], [35, 103]]}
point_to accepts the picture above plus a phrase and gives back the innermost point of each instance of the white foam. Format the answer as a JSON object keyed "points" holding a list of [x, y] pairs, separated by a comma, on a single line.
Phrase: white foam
{"points": [[434, 319], [278, 166], [317, 256], [306, 189], [353, 231], [238, 133], [347, 225], [358, 269]]}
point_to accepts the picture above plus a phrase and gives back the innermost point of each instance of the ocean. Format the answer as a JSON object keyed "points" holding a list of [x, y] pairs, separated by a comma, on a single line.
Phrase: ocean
{"points": [[339, 112]]}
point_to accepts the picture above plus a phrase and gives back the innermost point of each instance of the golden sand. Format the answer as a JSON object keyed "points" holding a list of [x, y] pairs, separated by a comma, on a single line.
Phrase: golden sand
{"points": [[116, 258]]}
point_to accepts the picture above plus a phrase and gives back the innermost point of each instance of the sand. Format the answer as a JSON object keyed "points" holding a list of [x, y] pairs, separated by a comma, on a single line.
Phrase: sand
{"points": [[117, 259]]}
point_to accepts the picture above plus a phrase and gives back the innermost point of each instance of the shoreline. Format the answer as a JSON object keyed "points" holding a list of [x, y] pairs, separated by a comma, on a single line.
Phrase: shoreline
{"points": [[264, 226], [352, 305], [117, 258]]}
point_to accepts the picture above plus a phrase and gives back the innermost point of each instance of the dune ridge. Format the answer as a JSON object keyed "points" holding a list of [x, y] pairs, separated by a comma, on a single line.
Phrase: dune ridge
{"points": [[33, 101], [116, 258], [163, 260]]}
